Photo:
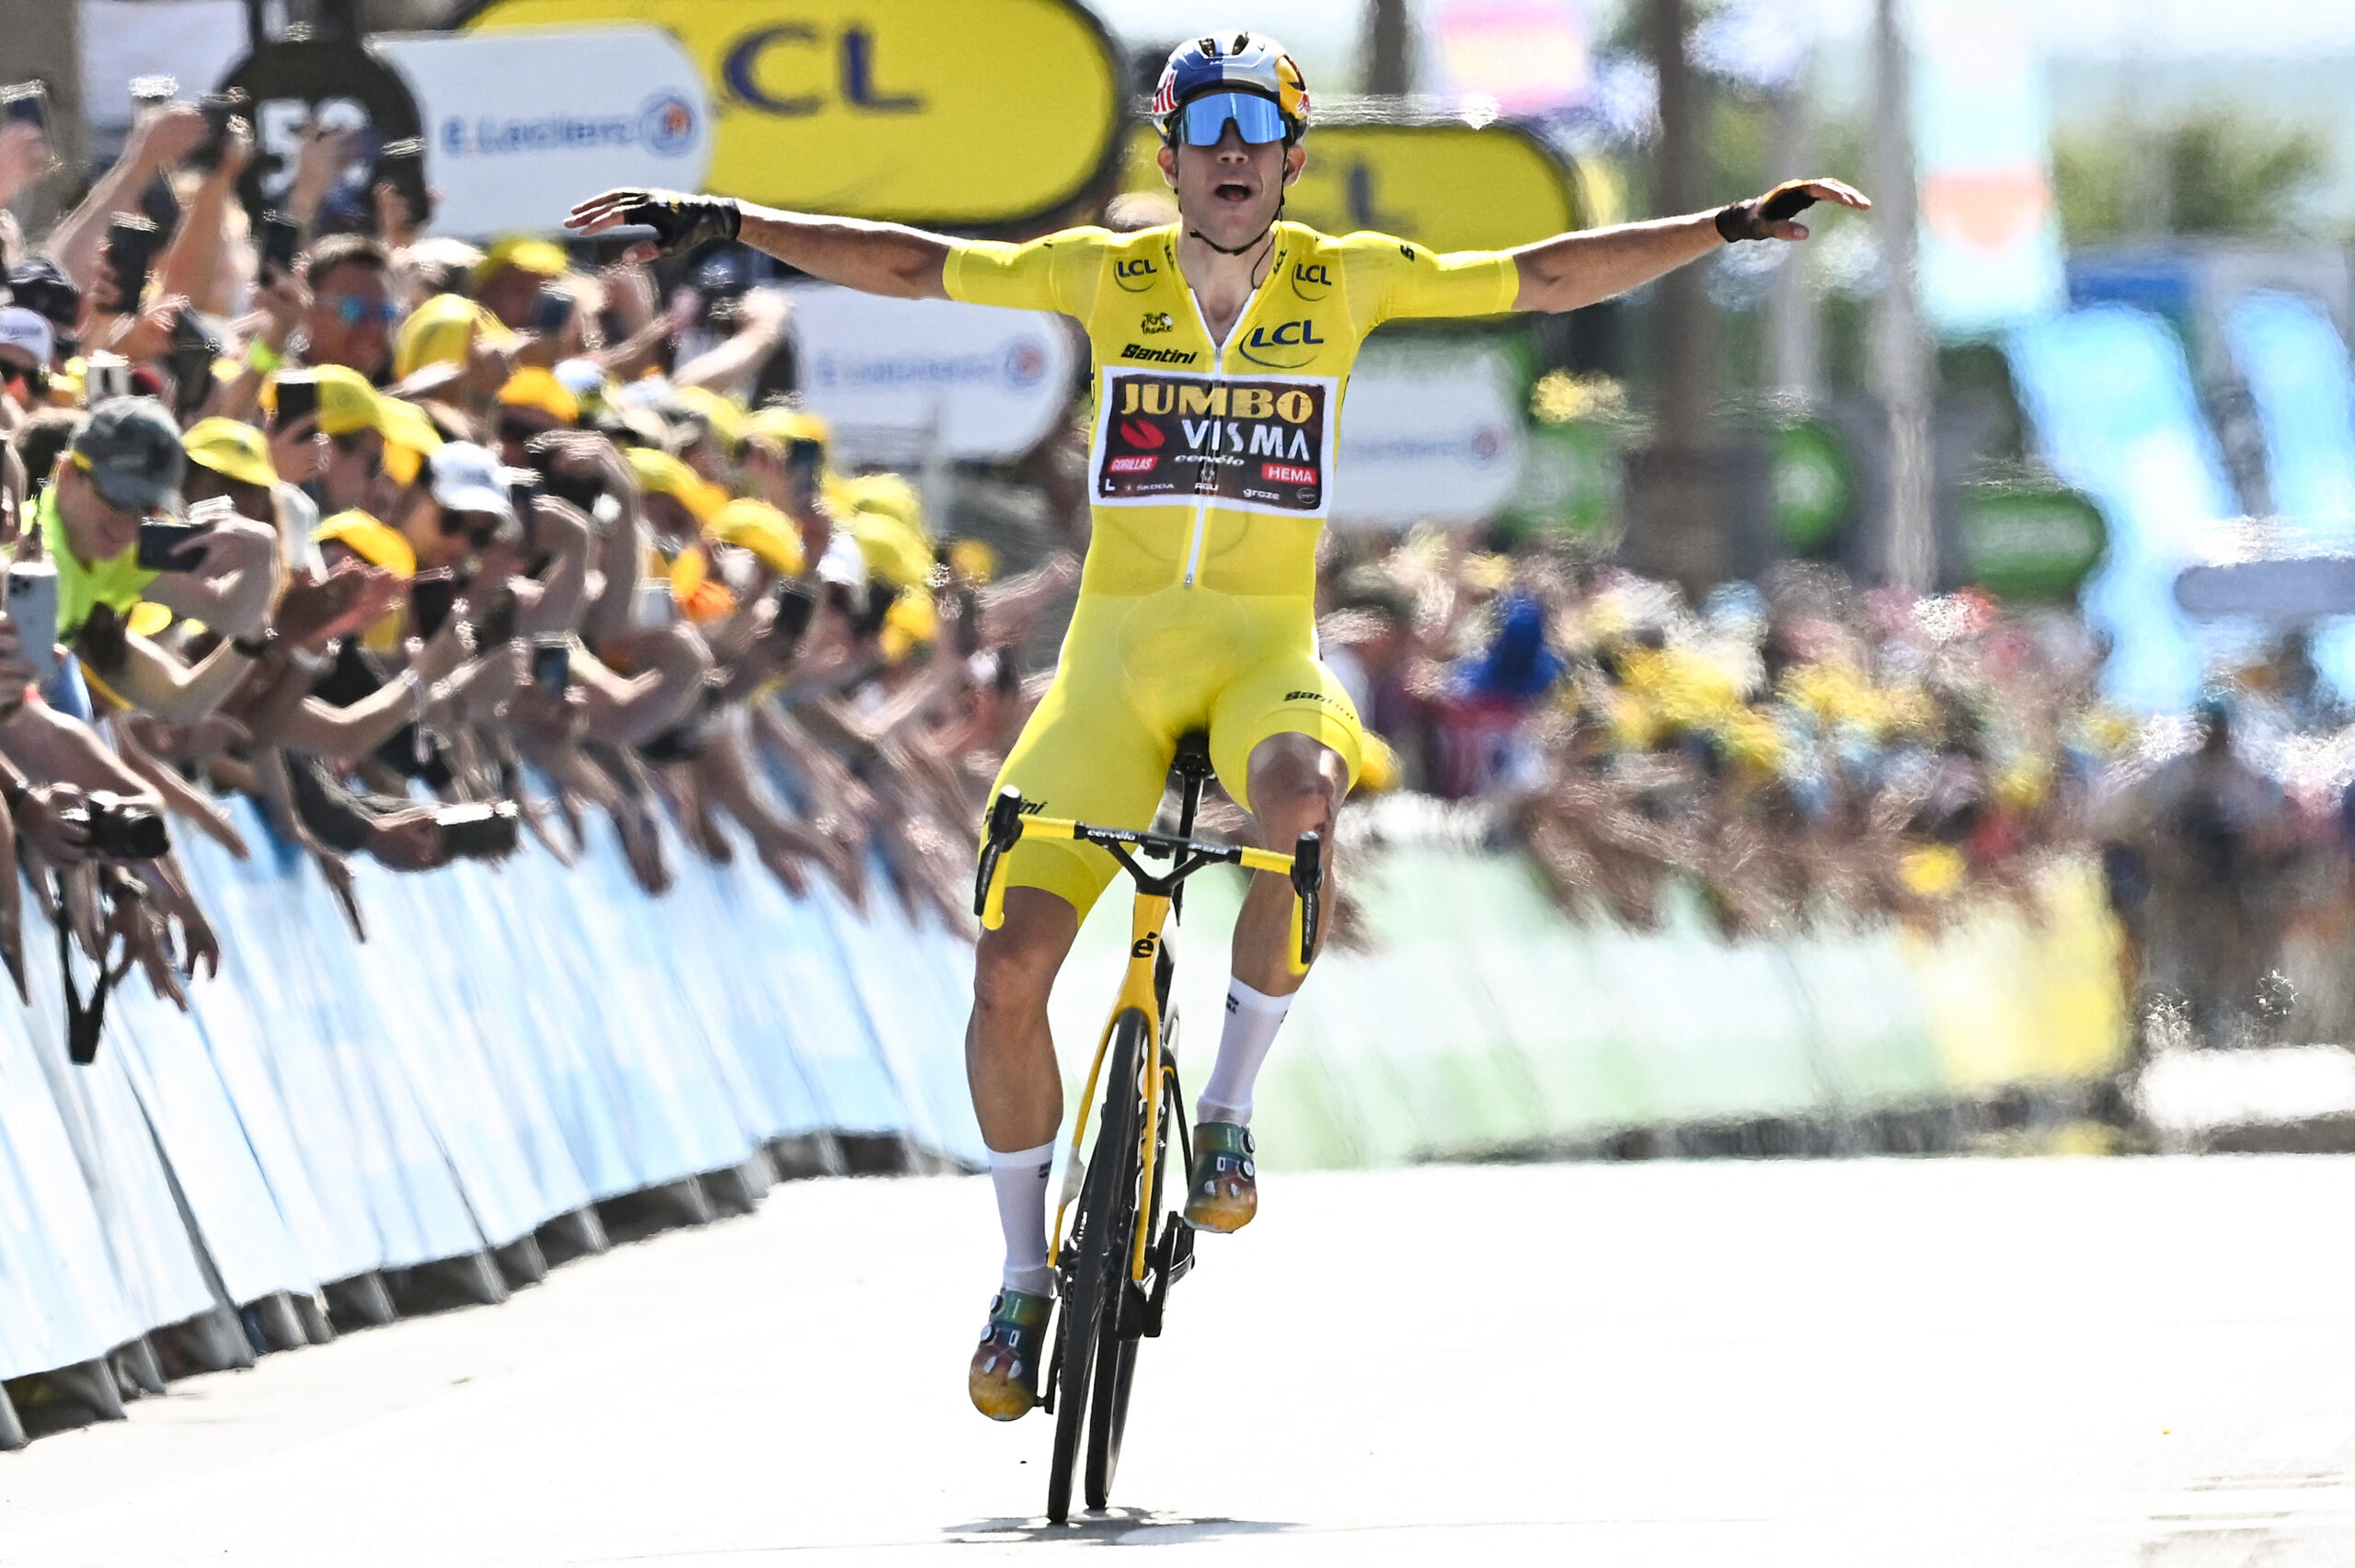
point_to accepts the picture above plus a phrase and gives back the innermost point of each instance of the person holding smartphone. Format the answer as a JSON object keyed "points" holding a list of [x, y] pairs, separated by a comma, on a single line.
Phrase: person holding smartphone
{"points": [[26, 156], [124, 466]]}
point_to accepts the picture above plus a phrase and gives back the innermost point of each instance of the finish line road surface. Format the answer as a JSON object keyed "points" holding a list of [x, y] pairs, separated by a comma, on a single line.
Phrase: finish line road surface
{"points": [[1890, 1364]]}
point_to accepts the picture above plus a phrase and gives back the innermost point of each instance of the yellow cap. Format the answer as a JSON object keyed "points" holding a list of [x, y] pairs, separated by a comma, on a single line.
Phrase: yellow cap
{"points": [[440, 331], [724, 414], [765, 531], [894, 551], [913, 618], [348, 404], [973, 560], [780, 426], [147, 618], [370, 541], [232, 450], [535, 386], [885, 493], [543, 257], [666, 475]]}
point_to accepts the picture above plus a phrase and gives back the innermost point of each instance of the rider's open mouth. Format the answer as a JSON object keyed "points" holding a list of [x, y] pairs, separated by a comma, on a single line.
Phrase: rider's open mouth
{"points": [[1231, 190]]}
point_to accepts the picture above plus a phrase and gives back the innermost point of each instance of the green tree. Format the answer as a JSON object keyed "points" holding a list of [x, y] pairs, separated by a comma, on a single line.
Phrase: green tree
{"points": [[2215, 171]]}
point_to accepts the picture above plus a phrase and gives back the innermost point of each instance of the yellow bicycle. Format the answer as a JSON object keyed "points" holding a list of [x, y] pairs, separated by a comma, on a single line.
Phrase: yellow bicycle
{"points": [[1113, 1273]]}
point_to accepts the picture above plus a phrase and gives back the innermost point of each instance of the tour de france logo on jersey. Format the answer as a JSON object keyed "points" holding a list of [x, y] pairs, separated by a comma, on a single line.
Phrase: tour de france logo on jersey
{"points": [[1262, 443]]}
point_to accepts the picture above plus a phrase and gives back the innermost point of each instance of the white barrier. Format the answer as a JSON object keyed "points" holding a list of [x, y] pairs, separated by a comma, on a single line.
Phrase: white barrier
{"points": [[512, 1044]]}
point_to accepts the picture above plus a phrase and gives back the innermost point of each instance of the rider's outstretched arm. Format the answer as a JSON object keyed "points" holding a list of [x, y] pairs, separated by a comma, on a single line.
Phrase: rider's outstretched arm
{"points": [[878, 258], [1576, 270]]}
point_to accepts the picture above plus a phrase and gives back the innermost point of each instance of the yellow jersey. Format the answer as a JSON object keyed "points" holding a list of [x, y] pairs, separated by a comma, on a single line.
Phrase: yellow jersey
{"points": [[1212, 463]]}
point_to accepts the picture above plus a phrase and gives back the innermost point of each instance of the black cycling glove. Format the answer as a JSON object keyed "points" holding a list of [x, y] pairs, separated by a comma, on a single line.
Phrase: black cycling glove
{"points": [[1749, 219], [681, 223]]}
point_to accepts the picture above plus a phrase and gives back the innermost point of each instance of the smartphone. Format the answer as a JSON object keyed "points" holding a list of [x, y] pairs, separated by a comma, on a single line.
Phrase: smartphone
{"points": [[130, 251], [795, 605], [431, 597], [655, 607], [479, 832], [32, 604], [104, 376], [25, 103], [969, 622], [552, 665], [281, 237], [172, 546], [495, 627], [220, 109], [153, 92], [402, 164], [551, 310], [523, 494], [298, 398], [193, 354]]}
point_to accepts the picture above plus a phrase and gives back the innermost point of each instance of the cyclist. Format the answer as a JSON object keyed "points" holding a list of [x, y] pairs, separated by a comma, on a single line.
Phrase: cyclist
{"points": [[1221, 345]]}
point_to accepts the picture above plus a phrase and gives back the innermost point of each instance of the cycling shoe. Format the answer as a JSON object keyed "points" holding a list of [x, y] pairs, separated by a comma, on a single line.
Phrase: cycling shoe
{"points": [[1223, 1191], [1004, 1376]]}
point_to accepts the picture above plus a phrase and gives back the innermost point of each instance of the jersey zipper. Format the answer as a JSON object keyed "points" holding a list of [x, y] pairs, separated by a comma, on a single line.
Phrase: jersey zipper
{"points": [[1218, 368]]}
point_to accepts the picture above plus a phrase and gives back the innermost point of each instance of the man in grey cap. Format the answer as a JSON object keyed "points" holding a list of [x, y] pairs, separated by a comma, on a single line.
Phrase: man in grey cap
{"points": [[124, 467]]}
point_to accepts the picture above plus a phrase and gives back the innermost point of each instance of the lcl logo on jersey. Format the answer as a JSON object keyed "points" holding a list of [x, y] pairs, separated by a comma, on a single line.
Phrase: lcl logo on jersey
{"points": [[1136, 273], [1312, 281], [1287, 346]]}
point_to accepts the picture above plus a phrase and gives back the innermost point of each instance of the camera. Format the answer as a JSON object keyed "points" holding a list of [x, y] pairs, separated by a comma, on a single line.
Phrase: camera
{"points": [[479, 832], [120, 828], [104, 376]]}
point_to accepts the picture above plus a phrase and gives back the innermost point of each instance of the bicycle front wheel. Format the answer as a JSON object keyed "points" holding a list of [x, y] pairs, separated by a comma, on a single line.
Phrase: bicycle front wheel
{"points": [[1116, 1354], [1095, 1261]]}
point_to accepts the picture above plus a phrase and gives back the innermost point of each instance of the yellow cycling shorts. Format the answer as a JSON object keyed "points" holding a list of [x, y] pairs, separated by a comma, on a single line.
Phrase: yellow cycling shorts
{"points": [[1136, 674]]}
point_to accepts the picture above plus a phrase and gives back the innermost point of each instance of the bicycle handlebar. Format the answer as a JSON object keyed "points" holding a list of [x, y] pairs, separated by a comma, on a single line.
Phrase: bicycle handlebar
{"points": [[1007, 826]]}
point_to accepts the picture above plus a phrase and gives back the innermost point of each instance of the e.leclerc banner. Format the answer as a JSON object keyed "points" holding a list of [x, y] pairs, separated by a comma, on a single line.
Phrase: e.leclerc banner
{"points": [[973, 113], [518, 126], [1447, 185]]}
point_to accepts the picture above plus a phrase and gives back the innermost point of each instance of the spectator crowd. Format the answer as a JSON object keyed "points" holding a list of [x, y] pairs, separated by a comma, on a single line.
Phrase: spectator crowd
{"points": [[423, 548]]}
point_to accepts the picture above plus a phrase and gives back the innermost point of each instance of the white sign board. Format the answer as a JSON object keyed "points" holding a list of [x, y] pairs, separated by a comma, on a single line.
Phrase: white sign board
{"points": [[1430, 433], [972, 382], [519, 126]]}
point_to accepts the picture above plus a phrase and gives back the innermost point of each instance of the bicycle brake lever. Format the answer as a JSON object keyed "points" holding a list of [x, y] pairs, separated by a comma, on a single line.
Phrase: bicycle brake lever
{"points": [[1001, 833], [1307, 886]]}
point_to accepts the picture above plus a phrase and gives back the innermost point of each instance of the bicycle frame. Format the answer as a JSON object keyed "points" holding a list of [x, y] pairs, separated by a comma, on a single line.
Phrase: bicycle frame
{"points": [[1156, 898]]}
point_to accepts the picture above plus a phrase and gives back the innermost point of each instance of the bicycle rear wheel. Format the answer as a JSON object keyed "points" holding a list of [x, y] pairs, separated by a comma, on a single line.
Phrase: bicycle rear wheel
{"points": [[1095, 1262]]}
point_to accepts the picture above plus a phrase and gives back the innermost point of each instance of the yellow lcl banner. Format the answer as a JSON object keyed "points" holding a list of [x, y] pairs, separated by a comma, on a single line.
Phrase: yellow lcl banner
{"points": [[968, 114], [1449, 187]]}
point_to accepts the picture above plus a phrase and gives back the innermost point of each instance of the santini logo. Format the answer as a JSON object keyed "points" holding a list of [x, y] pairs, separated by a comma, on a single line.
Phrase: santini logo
{"points": [[1159, 356]]}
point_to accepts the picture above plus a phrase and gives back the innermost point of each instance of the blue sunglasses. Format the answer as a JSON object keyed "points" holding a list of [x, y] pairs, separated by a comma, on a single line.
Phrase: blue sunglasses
{"points": [[1202, 121], [351, 310]]}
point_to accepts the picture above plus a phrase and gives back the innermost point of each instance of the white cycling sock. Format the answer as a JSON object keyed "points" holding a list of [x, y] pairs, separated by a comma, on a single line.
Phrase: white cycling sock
{"points": [[1252, 1019], [1020, 1179]]}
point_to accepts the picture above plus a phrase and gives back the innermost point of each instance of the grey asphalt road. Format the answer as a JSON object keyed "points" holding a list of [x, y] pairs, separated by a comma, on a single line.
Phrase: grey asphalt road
{"points": [[2133, 1362]]}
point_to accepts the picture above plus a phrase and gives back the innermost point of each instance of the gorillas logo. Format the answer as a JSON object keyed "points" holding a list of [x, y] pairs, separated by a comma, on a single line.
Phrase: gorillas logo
{"points": [[1137, 433]]}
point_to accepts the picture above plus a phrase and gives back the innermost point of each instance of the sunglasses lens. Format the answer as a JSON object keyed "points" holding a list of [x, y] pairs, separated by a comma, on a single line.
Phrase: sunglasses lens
{"points": [[1204, 121]]}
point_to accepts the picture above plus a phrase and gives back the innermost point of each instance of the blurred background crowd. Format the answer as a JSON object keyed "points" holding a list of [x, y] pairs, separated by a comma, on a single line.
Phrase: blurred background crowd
{"points": [[1838, 585]]}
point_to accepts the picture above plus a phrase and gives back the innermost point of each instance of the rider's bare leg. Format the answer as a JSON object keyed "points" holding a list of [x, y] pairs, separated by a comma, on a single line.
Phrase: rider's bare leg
{"points": [[1010, 1066], [1295, 785], [1018, 1099]]}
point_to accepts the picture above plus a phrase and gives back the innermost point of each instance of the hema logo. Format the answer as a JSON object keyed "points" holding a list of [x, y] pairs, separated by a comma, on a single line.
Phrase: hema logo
{"points": [[666, 125]]}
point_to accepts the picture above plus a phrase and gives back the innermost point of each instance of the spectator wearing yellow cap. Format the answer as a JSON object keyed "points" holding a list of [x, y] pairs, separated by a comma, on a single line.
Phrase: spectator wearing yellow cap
{"points": [[228, 458], [532, 403], [511, 274], [373, 441], [356, 536], [785, 456], [451, 337], [679, 503]]}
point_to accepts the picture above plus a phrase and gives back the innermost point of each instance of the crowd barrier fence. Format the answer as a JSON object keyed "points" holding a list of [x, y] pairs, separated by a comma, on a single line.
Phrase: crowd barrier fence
{"points": [[515, 1045]]}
